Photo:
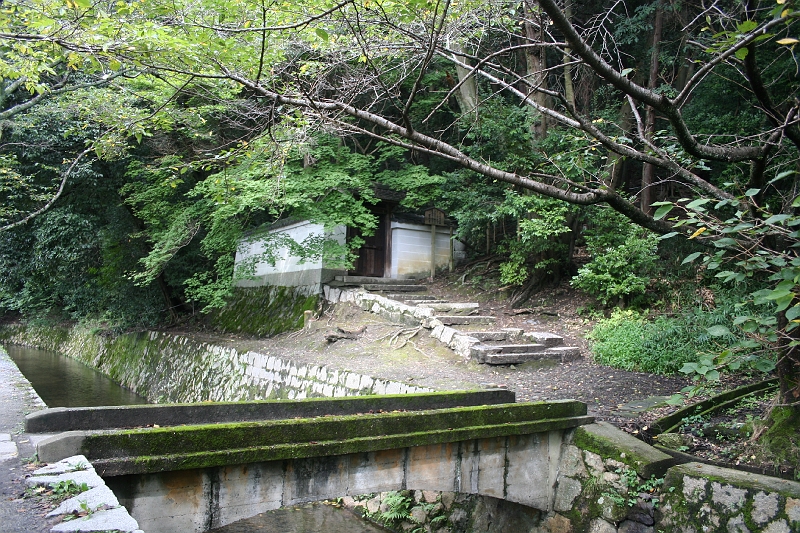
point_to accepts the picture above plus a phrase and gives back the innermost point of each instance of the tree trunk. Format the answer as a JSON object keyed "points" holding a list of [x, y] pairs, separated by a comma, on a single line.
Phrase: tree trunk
{"points": [[467, 94], [569, 90], [648, 170], [536, 62], [788, 367]]}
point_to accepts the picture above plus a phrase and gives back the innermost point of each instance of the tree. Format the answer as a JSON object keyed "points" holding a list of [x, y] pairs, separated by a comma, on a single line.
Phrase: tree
{"points": [[357, 68]]}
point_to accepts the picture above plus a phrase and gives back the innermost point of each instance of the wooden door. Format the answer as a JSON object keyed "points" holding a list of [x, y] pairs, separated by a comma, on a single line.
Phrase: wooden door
{"points": [[372, 255]]}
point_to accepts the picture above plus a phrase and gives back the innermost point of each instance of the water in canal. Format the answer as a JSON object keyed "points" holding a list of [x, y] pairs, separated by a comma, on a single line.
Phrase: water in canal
{"points": [[310, 518], [64, 382]]}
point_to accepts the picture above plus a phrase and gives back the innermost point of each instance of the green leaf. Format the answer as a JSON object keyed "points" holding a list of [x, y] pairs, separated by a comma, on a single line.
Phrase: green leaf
{"points": [[746, 26], [784, 174], [668, 235], [719, 331], [752, 192], [694, 204], [764, 365], [741, 53], [724, 242], [691, 257], [662, 211], [774, 219], [793, 313], [322, 34], [712, 375]]}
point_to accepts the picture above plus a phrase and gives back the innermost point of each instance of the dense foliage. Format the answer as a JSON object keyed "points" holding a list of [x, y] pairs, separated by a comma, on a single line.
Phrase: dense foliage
{"points": [[141, 140]]}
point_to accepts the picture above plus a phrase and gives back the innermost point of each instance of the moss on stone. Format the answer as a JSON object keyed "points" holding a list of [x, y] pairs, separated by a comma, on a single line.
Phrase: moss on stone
{"points": [[611, 443], [782, 440], [264, 311]]}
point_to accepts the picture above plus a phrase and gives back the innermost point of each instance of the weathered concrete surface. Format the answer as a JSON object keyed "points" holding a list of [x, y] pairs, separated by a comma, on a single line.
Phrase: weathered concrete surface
{"points": [[90, 418], [146, 450], [98, 503], [606, 440], [520, 468]]}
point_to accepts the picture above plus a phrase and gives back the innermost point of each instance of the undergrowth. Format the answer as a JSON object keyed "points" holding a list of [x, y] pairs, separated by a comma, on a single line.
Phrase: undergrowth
{"points": [[635, 340]]}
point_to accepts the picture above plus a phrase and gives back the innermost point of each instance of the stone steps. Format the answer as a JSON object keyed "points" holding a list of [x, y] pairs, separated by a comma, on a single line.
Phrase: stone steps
{"points": [[385, 287], [450, 308], [453, 324], [456, 320], [361, 280]]}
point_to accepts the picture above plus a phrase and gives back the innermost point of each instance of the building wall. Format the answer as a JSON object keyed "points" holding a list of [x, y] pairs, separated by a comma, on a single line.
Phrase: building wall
{"points": [[288, 270], [410, 255], [411, 249]]}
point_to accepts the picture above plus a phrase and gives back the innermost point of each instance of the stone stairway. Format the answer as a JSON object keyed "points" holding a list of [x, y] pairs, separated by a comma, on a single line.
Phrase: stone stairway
{"points": [[378, 285], [505, 346]]}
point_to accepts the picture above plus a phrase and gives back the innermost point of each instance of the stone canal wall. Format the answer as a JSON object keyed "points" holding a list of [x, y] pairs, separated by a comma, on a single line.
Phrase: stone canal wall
{"points": [[172, 368]]}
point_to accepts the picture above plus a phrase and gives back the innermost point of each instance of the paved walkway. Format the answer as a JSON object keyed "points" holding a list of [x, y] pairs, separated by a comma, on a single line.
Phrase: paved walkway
{"points": [[17, 398]]}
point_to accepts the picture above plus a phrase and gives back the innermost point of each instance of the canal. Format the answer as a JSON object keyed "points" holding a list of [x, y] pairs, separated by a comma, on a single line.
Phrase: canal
{"points": [[64, 382]]}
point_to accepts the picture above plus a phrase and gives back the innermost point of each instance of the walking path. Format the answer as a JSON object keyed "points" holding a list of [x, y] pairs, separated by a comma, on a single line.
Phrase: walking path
{"points": [[17, 398]]}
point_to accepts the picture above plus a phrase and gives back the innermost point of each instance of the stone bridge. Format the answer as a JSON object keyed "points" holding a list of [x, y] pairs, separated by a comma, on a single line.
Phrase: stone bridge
{"points": [[200, 466]]}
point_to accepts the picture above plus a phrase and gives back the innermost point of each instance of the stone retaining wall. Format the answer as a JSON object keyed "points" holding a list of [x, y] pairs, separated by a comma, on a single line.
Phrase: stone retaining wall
{"points": [[172, 368]]}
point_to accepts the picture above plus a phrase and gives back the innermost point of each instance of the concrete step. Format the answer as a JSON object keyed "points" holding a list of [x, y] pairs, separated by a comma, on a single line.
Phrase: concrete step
{"points": [[384, 287], [450, 308], [550, 340], [561, 354], [360, 280], [501, 335], [417, 299], [508, 348], [457, 320]]}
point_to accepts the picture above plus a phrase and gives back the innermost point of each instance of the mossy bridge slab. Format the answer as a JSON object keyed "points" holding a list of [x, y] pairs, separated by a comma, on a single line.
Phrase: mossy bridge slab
{"points": [[206, 474]]}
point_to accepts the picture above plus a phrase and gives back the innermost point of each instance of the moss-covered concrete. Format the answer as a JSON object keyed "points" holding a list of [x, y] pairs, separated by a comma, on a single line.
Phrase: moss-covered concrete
{"points": [[609, 442], [94, 418], [264, 311], [155, 449]]}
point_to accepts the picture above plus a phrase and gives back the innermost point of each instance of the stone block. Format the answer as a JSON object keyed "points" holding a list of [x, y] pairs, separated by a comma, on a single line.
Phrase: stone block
{"points": [[612, 443], [116, 519], [598, 525], [566, 491], [630, 526], [765, 507], [94, 498], [483, 467], [247, 490], [571, 464], [375, 471], [432, 467]]}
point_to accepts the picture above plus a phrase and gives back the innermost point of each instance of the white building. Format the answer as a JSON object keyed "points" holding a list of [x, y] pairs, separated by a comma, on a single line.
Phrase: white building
{"points": [[399, 249]]}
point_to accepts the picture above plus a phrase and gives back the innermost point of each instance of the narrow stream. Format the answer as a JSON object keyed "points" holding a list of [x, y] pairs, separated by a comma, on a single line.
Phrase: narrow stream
{"points": [[64, 382]]}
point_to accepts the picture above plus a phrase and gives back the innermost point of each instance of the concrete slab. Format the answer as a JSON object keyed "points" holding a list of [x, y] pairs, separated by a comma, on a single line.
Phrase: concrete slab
{"points": [[91, 499], [116, 519], [8, 449]]}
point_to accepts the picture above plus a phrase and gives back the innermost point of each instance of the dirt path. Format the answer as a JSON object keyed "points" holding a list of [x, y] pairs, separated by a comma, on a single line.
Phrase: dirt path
{"points": [[384, 350]]}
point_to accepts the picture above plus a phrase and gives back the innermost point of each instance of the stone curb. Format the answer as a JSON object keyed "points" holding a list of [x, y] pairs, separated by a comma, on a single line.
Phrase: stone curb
{"points": [[104, 511]]}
